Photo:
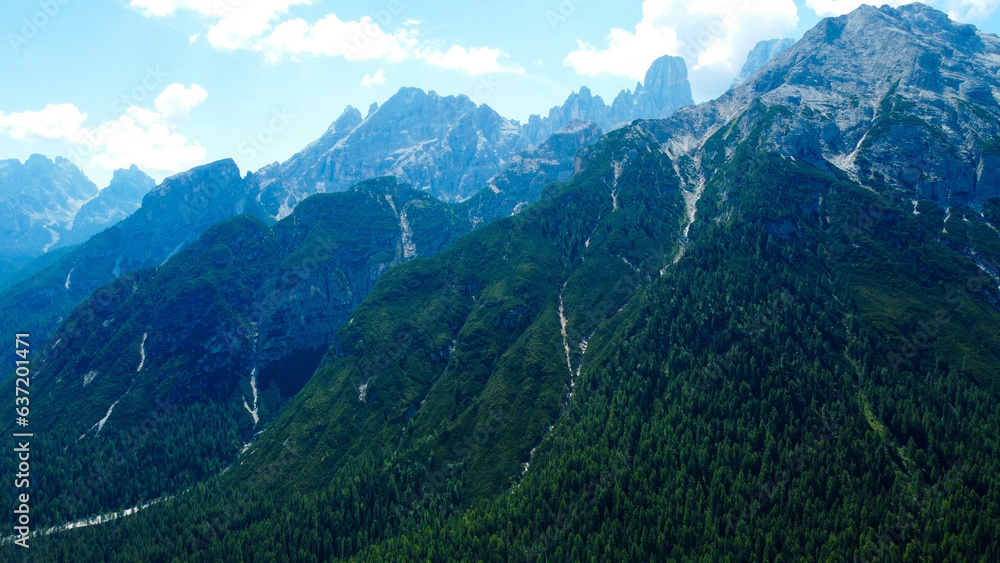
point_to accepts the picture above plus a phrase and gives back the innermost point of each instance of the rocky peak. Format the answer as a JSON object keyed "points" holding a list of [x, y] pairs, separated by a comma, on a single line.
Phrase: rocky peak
{"points": [[115, 202], [665, 90], [223, 171], [666, 79], [346, 123], [446, 145], [902, 100], [530, 172]]}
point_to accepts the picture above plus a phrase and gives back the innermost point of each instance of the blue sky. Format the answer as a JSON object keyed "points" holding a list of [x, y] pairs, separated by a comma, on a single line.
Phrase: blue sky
{"points": [[170, 84]]}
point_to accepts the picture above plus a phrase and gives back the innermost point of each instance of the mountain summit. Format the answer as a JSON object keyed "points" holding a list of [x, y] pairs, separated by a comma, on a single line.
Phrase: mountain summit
{"points": [[446, 145], [664, 90]]}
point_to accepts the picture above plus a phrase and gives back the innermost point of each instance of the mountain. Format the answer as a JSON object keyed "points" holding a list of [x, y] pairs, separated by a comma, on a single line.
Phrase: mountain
{"points": [[180, 209], [530, 172], [113, 204], [49, 205], [219, 336], [664, 90], [172, 215], [38, 201], [446, 145], [760, 55], [763, 328]]}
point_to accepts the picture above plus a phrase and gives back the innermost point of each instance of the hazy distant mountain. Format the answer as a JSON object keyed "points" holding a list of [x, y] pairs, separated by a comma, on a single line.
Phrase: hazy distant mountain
{"points": [[48, 205], [38, 202], [664, 90], [114, 203], [760, 55], [172, 215]]}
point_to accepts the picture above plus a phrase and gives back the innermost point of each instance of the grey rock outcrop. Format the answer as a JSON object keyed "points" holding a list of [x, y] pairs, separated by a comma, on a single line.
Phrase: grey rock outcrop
{"points": [[902, 100], [530, 172], [445, 145], [664, 90]]}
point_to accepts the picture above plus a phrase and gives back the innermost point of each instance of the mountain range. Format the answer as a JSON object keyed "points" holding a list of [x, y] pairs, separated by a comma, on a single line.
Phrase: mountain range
{"points": [[763, 327], [446, 146], [664, 90]]}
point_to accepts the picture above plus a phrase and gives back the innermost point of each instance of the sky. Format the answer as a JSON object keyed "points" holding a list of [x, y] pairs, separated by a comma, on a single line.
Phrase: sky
{"points": [[171, 84]]}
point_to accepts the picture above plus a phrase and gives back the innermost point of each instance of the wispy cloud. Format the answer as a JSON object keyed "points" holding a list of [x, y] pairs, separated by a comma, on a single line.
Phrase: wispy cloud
{"points": [[266, 27], [361, 40], [475, 61], [372, 79], [235, 23]]}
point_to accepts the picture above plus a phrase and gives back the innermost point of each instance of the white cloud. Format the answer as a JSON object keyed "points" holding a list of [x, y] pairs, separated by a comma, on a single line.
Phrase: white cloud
{"points": [[361, 40], [144, 137], [961, 10], [475, 61], [713, 36], [370, 79], [237, 23], [261, 25], [54, 122], [176, 101]]}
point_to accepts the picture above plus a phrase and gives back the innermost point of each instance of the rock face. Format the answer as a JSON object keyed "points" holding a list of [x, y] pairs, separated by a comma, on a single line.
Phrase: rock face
{"points": [[38, 201], [664, 90], [113, 204], [446, 146], [902, 100], [760, 55], [530, 172]]}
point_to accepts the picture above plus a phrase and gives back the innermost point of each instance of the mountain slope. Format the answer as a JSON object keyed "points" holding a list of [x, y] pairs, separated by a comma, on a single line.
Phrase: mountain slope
{"points": [[527, 174], [121, 198], [476, 330], [220, 334], [749, 390], [172, 215], [745, 331]]}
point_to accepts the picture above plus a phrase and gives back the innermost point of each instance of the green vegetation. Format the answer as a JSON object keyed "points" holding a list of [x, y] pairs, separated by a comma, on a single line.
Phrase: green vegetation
{"points": [[191, 325], [815, 378]]}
